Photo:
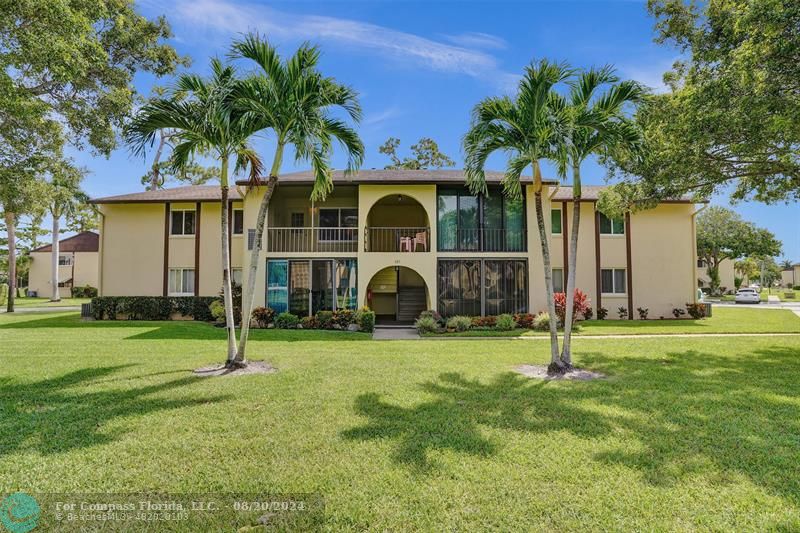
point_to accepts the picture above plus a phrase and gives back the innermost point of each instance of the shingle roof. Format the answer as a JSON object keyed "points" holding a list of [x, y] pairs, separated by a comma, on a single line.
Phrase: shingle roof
{"points": [[87, 241], [391, 176], [592, 193], [188, 193]]}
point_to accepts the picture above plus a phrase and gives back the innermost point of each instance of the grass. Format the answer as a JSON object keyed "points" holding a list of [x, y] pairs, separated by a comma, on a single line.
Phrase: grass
{"points": [[45, 302], [685, 434], [724, 320]]}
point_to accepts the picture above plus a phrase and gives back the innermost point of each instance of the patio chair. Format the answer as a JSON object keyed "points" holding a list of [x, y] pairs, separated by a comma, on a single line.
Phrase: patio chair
{"points": [[405, 244], [421, 238]]}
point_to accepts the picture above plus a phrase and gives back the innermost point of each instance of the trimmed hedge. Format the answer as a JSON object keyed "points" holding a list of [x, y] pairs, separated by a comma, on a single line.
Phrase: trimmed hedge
{"points": [[87, 291], [152, 307]]}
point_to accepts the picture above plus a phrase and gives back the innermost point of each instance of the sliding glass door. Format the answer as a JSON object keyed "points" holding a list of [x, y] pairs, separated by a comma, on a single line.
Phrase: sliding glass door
{"points": [[490, 223], [306, 286], [482, 287]]}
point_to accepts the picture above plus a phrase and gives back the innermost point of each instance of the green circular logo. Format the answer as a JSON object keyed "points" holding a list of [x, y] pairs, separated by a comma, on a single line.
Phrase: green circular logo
{"points": [[19, 512]]}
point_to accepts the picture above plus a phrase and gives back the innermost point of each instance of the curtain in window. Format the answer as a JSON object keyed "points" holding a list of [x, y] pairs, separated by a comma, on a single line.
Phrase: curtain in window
{"points": [[299, 287], [278, 285], [506, 287], [459, 287], [321, 286], [447, 219], [346, 284]]}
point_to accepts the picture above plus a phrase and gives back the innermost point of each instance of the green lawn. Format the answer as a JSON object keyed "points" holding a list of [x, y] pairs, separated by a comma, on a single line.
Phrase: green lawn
{"points": [[724, 320], [686, 434], [45, 302]]}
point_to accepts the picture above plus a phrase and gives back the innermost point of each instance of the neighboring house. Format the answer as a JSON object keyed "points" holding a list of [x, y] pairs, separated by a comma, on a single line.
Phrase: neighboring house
{"points": [[791, 276], [78, 263], [398, 241], [726, 275]]}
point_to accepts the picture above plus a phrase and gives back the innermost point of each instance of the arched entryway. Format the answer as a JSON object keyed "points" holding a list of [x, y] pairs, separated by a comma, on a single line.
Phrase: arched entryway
{"points": [[397, 294], [398, 223]]}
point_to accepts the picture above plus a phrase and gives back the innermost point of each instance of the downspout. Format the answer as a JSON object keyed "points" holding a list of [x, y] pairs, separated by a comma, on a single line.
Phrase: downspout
{"points": [[100, 254], [694, 252]]}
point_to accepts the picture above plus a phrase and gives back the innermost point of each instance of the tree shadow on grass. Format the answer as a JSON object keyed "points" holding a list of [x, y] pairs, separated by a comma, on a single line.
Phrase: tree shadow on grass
{"points": [[685, 414], [179, 329], [58, 414]]}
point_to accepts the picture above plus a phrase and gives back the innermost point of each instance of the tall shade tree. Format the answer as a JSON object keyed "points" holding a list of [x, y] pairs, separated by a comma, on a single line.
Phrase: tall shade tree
{"points": [[425, 151], [296, 103], [529, 127], [598, 125], [723, 234], [204, 123], [64, 198], [731, 122]]}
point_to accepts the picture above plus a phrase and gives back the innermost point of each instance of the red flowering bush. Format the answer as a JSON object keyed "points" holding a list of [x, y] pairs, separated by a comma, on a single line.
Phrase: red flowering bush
{"points": [[580, 304], [524, 320]]}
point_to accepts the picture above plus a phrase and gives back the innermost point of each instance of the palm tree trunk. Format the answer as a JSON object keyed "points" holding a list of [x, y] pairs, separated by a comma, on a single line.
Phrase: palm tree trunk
{"points": [[555, 361], [155, 181], [566, 355], [252, 271], [227, 293], [11, 234], [55, 295]]}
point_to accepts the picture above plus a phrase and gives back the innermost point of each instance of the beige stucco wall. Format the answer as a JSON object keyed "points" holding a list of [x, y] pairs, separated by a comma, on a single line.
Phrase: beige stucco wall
{"points": [[663, 262], [132, 244], [791, 277], [726, 275], [83, 273]]}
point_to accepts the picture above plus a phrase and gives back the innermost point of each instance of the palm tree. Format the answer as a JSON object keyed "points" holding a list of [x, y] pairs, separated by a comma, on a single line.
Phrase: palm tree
{"points": [[204, 121], [295, 101], [65, 198], [598, 125], [530, 127]]}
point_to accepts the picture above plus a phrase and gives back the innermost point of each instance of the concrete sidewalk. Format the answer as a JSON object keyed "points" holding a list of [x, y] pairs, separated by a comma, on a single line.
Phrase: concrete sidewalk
{"points": [[395, 333]]}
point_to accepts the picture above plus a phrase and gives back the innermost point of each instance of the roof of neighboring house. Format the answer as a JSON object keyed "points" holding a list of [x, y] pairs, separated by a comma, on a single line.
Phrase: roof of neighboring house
{"points": [[86, 241], [591, 193], [398, 177], [187, 193]]}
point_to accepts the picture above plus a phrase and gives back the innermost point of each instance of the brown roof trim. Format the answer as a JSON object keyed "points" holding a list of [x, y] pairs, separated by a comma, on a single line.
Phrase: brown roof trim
{"points": [[85, 241]]}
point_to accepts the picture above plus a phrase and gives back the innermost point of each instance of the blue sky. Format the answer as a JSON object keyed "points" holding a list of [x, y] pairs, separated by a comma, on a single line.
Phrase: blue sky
{"points": [[421, 66]]}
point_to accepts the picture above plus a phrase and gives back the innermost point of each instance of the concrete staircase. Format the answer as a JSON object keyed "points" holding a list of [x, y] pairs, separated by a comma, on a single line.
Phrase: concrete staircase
{"points": [[411, 301]]}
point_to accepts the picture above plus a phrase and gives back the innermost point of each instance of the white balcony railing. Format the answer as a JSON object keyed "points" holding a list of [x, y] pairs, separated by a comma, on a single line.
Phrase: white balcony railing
{"points": [[397, 239], [311, 239]]}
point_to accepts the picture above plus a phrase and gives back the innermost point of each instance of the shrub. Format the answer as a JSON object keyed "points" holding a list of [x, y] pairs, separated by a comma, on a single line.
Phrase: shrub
{"points": [[642, 312], [236, 296], [579, 302], [622, 311], [796, 287], [524, 320], [588, 313], [505, 322], [3, 293], [325, 319], [602, 313], [678, 312], [484, 321], [286, 320], [309, 322], [217, 309], [87, 291], [263, 316], [365, 318], [696, 311], [432, 313], [343, 318], [542, 322], [459, 323], [426, 324]]}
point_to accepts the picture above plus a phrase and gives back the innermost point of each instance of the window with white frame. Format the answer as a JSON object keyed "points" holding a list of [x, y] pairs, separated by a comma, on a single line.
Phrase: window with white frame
{"points": [[611, 226], [555, 221], [64, 260], [558, 280], [181, 282], [238, 221], [182, 222], [338, 224], [613, 280]]}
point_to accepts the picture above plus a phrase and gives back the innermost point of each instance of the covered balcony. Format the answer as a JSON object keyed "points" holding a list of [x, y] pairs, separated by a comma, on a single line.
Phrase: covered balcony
{"points": [[397, 223], [301, 226]]}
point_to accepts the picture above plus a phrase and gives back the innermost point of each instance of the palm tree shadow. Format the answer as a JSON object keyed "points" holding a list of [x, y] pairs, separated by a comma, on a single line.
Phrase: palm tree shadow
{"points": [[57, 414], [688, 414], [453, 420]]}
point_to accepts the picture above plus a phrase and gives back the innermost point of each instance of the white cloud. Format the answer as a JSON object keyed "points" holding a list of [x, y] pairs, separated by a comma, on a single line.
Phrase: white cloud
{"points": [[224, 16], [373, 119], [477, 40]]}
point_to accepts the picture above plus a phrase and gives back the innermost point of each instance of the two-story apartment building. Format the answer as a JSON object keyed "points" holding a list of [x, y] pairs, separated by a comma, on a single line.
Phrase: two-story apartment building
{"points": [[398, 241]]}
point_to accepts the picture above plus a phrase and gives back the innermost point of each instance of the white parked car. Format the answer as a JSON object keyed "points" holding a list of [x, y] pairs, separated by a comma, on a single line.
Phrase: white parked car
{"points": [[748, 296]]}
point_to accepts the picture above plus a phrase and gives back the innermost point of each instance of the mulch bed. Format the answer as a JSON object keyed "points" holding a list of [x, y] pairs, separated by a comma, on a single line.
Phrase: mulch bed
{"points": [[540, 372], [253, 367]]}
